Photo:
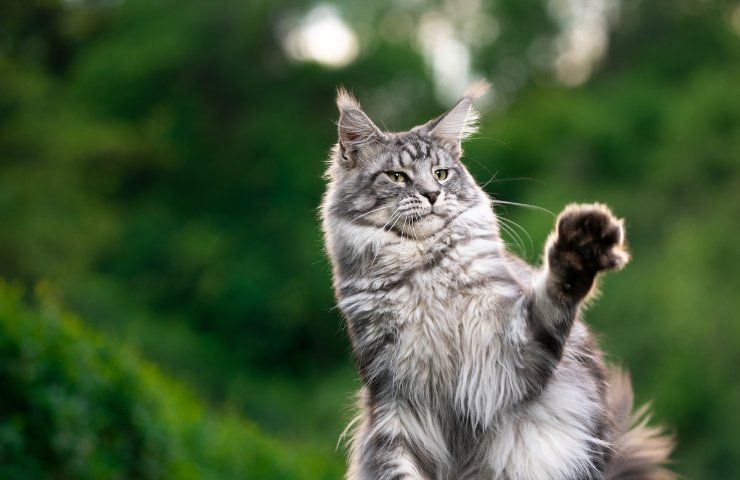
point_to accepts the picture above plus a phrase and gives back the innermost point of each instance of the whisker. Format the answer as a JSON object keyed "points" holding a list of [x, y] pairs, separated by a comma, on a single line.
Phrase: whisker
{"points": [[489, 181], [520, 179], [482, 166], [514, 236], [394, 223], [515, 224], [481, 137], [367, 213], [393, 218], [524, 205], [470, 231], [379, 232], [413, 231], [391, 228]]}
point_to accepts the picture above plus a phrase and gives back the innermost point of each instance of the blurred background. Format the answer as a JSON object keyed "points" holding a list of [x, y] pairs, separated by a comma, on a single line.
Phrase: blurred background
{"points": [[165, 309]]}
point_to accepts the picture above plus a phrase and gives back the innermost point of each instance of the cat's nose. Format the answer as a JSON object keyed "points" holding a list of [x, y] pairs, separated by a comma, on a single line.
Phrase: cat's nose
{"points": [[431, 196]]}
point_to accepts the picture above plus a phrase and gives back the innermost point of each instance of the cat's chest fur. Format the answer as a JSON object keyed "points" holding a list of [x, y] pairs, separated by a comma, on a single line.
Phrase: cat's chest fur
{"points": [[454, 299], [427, 348]]}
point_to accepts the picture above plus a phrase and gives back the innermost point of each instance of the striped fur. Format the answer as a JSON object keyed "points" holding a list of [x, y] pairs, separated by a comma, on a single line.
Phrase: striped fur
{"points": [[474, 364]]}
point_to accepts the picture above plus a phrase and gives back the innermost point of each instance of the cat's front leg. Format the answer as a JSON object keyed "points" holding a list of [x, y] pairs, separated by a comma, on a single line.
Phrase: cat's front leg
{"points": [[396, 440], [588, 240]]}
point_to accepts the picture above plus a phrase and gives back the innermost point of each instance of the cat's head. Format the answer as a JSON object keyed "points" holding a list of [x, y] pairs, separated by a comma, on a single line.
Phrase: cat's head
{"points": [[412, 182]]}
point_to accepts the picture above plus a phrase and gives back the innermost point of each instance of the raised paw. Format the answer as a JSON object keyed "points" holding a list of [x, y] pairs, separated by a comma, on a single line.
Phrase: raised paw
{"points": [[588, 239]]}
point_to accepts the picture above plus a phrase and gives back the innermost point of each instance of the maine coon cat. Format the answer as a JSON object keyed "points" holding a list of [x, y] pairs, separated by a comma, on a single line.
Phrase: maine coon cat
{"points": [[474, 364]]}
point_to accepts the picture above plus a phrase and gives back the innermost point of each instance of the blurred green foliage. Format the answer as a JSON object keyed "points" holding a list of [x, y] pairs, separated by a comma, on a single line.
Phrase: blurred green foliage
{"points": [[76, 406], [160, 165]]}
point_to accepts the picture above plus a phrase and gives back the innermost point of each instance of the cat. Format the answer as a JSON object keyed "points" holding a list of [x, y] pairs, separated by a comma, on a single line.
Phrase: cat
{"points": [[474, 364]]}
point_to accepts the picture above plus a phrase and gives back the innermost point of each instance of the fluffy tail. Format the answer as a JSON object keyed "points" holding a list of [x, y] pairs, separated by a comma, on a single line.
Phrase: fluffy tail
{"points": [[641, 451]]}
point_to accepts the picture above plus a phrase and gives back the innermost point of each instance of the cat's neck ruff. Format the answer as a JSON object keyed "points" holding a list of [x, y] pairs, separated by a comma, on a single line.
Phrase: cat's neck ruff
{"points": [[386, 259]]}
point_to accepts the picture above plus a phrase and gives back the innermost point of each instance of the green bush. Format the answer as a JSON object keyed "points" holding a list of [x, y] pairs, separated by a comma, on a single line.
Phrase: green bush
{"points": [[75, 405]]}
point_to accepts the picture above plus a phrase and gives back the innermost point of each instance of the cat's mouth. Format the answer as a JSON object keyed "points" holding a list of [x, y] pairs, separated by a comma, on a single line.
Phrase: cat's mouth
{"points": [[432, 212], [419, 216], [421, 223]]}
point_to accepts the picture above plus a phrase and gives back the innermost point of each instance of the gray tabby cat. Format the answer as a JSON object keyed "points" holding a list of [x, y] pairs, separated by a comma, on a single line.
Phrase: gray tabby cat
{"points": [[474, 364]]}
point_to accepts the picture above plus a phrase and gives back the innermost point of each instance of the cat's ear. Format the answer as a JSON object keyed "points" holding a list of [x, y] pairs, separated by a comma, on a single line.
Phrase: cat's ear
{"points": [[460, 121], [356, 130]]}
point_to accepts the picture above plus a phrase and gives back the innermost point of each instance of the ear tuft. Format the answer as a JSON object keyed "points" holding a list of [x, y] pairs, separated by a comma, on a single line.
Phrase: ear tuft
{"points": [[477, 90], [356, 130], [462, 120], [346, 100]]}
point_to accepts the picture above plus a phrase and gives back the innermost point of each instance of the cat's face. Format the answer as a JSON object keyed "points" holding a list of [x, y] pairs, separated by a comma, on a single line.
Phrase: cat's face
{"points": [[411, 182]]}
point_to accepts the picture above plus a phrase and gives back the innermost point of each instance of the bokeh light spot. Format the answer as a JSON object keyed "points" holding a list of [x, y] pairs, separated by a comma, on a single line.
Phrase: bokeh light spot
{"points": [[323, 37]]}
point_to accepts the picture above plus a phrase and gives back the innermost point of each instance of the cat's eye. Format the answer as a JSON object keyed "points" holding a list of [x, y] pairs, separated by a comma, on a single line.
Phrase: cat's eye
{"points": [[441, 174], [397, 177]]}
